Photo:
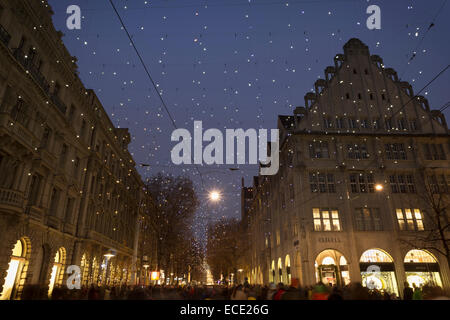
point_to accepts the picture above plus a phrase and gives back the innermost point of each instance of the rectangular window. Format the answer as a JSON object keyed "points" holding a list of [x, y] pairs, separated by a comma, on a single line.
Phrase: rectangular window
{"points": [[434, 152], [54, 202], [361, 183], [34, 189], [365, 124], [76, 167], [327, 122], [357, 151], [69, 210], [352, 123], [318, 149], [63, 155], [395, 151], [368, 219], [402, 124], [413, 124], [376, 124], [410, 219], [340, 123], [326, 219], [321, 182], [401, 183]]}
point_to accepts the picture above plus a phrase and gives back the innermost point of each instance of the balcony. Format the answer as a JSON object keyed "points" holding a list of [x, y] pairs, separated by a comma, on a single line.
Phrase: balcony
{"points": [[4, 36], [40, 79], [32, 69], [37, 213], [59, 104], [11, 198]]}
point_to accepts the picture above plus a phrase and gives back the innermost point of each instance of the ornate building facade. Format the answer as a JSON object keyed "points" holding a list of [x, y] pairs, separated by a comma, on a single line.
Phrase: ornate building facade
{"points": [[364, 177], [69, 190]]}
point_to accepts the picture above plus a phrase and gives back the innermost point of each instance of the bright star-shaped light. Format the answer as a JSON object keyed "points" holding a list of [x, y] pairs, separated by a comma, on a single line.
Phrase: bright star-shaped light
{"points": [[214, 195]]}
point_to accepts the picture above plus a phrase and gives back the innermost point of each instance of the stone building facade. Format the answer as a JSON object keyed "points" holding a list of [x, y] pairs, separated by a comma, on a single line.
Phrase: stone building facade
{"points": [[349, 202], [69, 190]]}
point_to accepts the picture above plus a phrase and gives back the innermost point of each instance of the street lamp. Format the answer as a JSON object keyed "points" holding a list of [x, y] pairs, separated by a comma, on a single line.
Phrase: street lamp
{"points": [[108, 255], [379, 187], [214, 196]]}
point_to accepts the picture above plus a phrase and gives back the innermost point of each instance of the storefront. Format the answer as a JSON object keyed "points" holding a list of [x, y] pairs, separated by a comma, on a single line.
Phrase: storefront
{"points": [[378, 271], [14, 272], [288, 270], [332, 268], [57, 270], [272, 272], [421, 268]]}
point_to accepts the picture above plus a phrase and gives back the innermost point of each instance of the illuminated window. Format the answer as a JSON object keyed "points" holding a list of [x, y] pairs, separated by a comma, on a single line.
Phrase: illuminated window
{"points": [[419, 256], [14, 271], [409, 219], [326, 219], [328, 261], [374, 255]]}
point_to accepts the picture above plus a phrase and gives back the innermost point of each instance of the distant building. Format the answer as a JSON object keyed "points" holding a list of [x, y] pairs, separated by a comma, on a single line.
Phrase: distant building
{"points": [[355, 162], [69, 190]]}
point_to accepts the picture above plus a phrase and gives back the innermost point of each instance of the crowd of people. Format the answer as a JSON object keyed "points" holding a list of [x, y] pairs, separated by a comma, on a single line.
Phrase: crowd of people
{"points": [[320, 291]]}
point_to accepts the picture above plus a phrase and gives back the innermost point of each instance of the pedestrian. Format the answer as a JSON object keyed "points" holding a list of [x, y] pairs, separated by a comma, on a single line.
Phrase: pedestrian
{"points": [[417, 295], [238, 293], [336, 294], [320, 292], [280, 292], [407, 292], [271, 291]]}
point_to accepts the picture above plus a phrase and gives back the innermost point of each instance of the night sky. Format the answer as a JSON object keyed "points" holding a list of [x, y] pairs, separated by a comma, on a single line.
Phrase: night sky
{"points": [[237, 64]]}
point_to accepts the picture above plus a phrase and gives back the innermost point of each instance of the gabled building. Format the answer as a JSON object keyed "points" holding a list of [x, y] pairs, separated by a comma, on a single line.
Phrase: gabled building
{"points": [[348, 203]]}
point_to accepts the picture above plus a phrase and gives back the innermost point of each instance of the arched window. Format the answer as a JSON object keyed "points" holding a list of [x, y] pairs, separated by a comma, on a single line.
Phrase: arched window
{"points": [[280, 270], [57, 275], [375, 255], [84, 270], [419, 256], [421, 268], [288, 269], [378, 271], [328, 261], [14, 272]]}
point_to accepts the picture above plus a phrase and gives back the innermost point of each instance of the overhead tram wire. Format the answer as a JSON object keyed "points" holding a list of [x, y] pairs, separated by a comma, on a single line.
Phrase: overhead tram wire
{"points": [[415, 96], [150, 77], [413, 56]]}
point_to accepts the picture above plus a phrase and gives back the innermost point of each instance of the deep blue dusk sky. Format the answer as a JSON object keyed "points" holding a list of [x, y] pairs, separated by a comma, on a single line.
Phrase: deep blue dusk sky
{"points": [[237, 64]]}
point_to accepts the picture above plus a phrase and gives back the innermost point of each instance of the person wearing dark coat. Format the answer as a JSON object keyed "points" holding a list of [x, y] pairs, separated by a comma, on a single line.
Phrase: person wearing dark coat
{"points": [[407, 292]]}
